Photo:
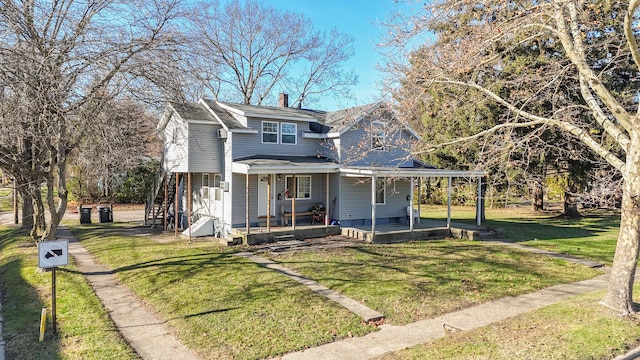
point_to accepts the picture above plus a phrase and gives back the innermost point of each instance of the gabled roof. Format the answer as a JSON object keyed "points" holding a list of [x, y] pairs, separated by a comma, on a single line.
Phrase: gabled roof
{"points": [[192, 111], [267, 112], [187, 111], [332, 122], [223, 116]]}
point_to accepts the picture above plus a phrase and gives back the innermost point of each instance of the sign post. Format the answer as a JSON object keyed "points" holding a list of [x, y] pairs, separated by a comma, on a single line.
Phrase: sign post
{"points": [[52, 254]]}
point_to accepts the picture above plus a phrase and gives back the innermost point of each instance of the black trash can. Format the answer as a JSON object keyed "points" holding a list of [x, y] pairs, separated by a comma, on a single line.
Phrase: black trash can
{"points": [[104, 213], [85, 215]]}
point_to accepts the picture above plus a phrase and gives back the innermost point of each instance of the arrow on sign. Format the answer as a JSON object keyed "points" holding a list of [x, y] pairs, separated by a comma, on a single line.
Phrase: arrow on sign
{"points": [[53, 253]]}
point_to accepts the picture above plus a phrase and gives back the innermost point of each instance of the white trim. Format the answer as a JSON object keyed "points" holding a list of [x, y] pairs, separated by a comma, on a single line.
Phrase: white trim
{"points": [[262, 132], [400, 172], [244, 131], [240, 168], [295, 133]]}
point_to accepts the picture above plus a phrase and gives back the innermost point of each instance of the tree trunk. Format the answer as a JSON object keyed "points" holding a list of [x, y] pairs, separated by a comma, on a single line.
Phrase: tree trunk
{"points": [[27, 208], [570, 205], [538, 196], [620, 292]]}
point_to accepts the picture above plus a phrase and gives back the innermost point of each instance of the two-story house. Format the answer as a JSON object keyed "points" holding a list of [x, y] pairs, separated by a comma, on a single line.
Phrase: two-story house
{"points": [[244, 166]]}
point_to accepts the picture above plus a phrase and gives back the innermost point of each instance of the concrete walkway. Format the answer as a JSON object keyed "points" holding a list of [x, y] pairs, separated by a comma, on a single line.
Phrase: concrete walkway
{"points": [[367, 314], [393, 338], [146, 334]]}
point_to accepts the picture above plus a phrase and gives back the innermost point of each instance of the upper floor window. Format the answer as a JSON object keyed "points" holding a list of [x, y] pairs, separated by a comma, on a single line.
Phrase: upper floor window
{"points": [[289, 133], [270, 132], [378, 136]]}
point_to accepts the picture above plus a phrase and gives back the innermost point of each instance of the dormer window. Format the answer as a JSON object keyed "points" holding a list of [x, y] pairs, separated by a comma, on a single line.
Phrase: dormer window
{"points": [[270, 132]]}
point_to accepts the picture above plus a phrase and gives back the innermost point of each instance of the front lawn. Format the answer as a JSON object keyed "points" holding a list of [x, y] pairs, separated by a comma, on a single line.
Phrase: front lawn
{"points": [[420, 280], [84, 328]]}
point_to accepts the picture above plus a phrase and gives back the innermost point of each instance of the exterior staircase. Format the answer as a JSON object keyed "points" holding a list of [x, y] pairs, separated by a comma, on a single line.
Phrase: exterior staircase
{"points": [[154, 209]]}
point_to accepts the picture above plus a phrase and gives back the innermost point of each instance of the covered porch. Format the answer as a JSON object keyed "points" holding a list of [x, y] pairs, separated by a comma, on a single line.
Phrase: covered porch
{"points": [[279, 193]]}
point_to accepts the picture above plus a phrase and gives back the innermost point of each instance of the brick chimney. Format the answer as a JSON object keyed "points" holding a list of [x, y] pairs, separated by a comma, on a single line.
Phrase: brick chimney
{"points": [[283, 100]]}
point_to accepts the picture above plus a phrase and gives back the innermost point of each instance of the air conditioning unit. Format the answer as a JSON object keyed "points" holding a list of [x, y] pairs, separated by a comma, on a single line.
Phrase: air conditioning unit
{"points": [[224, 185], [222, 134]]}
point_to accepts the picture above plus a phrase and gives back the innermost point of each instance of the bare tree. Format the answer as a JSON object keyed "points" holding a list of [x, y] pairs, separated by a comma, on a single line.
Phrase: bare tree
{"points": [[591, 53], [244, 50], [60, 63]]}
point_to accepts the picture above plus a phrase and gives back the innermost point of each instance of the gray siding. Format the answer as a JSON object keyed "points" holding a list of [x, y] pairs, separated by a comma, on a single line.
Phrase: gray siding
{"points": [[355, 199], [205, 149], [251, 144], [302, 205], [356, 149]]}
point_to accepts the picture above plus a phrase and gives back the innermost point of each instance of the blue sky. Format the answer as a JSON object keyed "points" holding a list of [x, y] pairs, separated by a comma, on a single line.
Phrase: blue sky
{"points": [[360, 18]]}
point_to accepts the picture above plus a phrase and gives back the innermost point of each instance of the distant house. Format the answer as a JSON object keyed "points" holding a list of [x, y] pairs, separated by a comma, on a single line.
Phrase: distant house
{"points": [[254, 166]]}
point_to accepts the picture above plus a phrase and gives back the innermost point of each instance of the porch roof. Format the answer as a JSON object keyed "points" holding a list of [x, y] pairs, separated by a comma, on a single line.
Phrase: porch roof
{"points": [[360, 171], [272, 164]]}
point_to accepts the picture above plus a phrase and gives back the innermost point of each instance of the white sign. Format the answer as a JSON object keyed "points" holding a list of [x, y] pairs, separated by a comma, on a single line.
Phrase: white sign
{"points": [[53, 253]]}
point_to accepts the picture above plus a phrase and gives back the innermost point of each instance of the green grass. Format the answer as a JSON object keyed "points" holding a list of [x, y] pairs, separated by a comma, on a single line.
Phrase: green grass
{"points": [[578, 328], [419, 280], [592, 236], [84, 328], [221, 305]]}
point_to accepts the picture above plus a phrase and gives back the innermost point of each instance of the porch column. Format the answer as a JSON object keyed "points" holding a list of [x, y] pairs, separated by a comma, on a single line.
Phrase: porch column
{"points": [[419, 198], [411, 206], [449, 202], [175, 206], [373, 207], [246, 197], [165, 201], [326, 200], [189, 205], [479, 203], [293, 193], [269, 203]]}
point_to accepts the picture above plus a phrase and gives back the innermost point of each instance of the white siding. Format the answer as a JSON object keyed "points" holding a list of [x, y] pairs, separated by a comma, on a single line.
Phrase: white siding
{"points": [[175, 143]]}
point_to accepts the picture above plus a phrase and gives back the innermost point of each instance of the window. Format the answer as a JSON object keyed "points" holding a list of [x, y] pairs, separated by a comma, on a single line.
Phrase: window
{"points": [[217, 192], [381, 192], [288, 133], [378, 136], [303, 185], [205, 186], [270, 132]]}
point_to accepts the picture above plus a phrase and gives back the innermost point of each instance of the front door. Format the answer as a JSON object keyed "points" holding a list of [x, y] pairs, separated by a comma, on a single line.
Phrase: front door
{"points": [[263, 185]]}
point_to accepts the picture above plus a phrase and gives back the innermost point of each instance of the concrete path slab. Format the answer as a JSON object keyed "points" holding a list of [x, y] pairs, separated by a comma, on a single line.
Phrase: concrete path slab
{"points": [[393, 338], [366, 313], [146, 334]]}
